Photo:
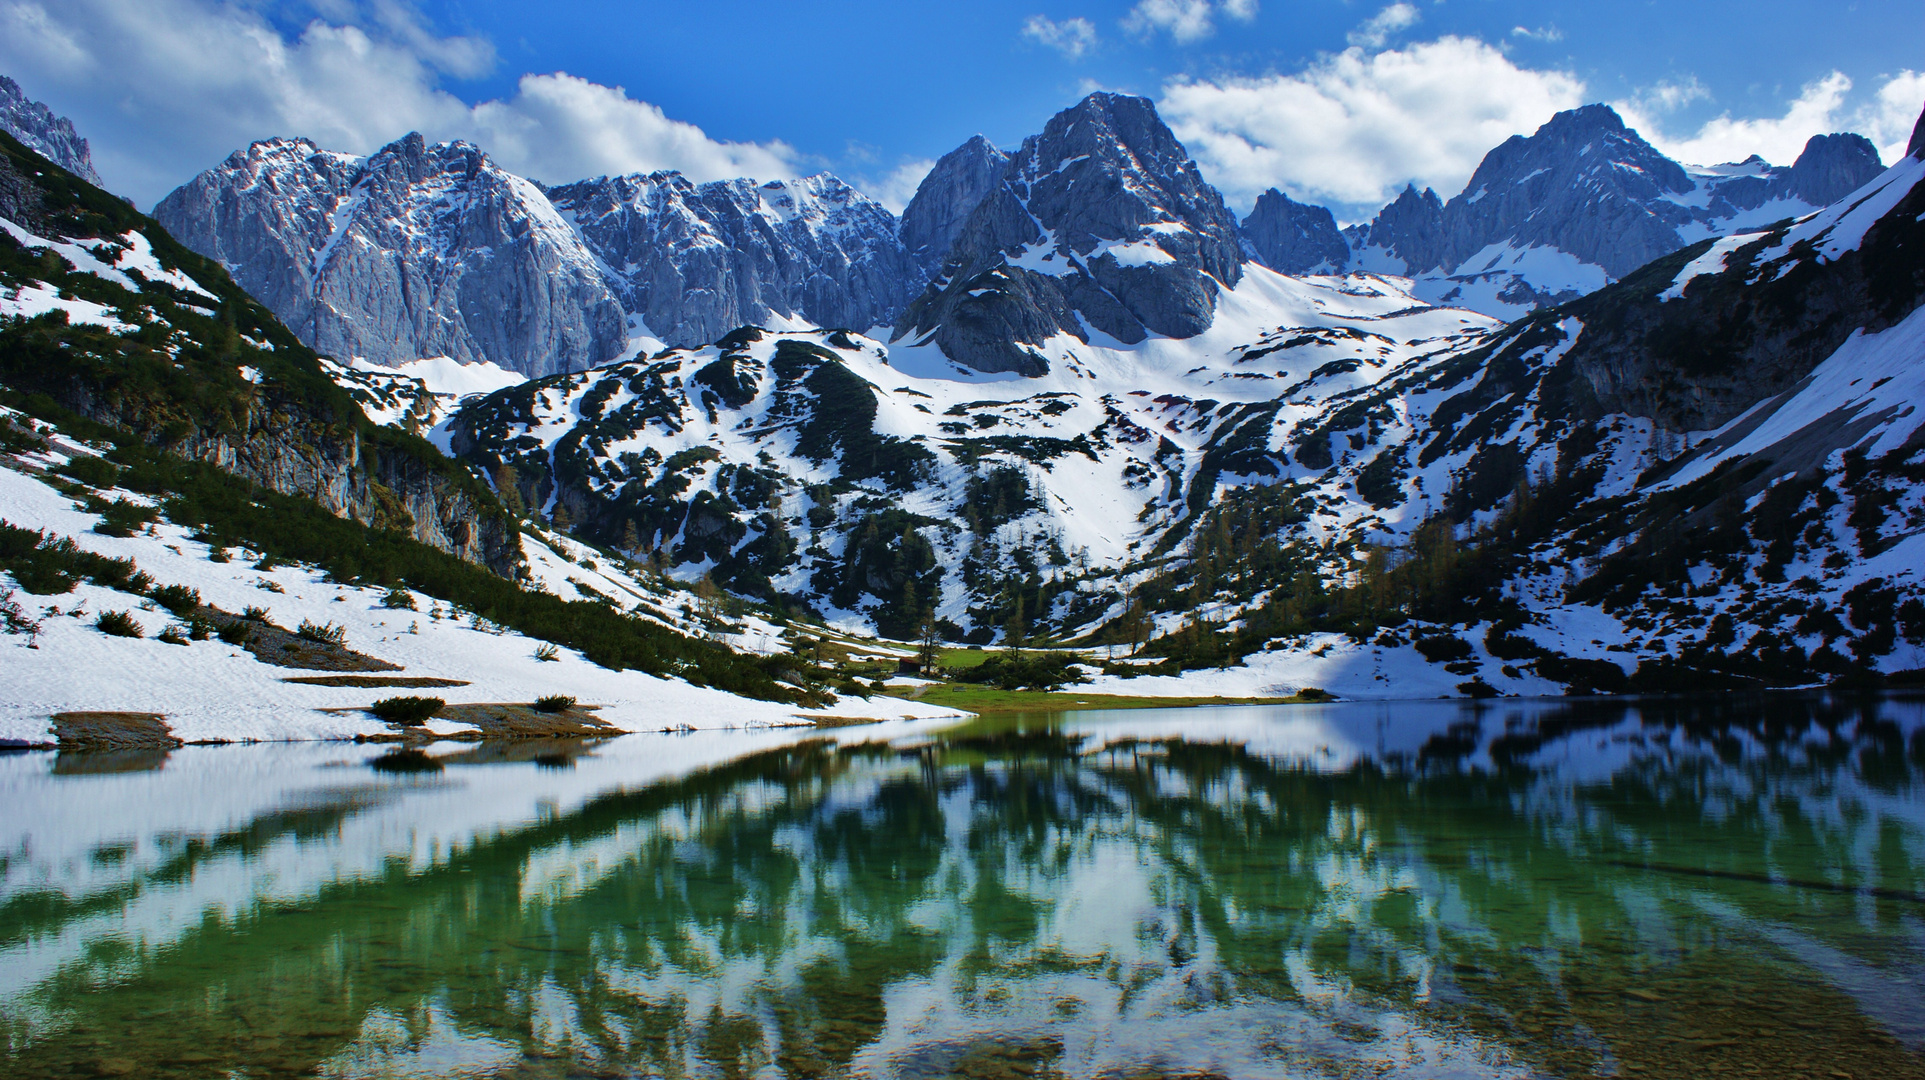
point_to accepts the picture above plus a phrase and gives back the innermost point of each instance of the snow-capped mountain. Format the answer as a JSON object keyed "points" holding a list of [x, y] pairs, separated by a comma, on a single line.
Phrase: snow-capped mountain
{"points": [[415, 251], [1100, 227], [1546, 218], [52, 137], [696, 261]]}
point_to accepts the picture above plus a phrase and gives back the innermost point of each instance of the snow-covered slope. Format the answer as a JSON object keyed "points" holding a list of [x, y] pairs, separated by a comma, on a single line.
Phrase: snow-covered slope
{"points": [[56, 660], [835, 470]]}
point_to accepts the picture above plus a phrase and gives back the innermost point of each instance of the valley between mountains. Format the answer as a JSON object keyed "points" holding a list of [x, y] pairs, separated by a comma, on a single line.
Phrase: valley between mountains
{"points": [[327, 428]]}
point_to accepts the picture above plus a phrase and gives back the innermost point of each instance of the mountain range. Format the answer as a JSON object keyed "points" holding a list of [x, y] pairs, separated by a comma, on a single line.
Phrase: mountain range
{"points": [[1600, 422], [423, 250]]}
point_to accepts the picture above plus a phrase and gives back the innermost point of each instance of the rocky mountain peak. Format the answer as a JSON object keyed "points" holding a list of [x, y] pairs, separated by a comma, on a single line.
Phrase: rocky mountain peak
{"points": [[1831, 167], [1916, 148], [947, 196], [52, 137], [417, 250], [1099, 222], [1292, 238]]}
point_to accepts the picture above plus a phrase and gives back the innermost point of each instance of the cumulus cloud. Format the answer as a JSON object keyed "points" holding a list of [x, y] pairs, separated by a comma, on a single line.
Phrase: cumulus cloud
{"points": [[1071, 37], [1821, 107], [165, 88], [1377, 29], [1185, 20], [1352, 128]]}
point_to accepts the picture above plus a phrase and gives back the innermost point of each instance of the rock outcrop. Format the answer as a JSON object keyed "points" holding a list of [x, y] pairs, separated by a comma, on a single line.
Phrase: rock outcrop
{"points": [[415, 251], [1292, 238], [695, 261], [946, 197], [52, 137], [1103, 223]]}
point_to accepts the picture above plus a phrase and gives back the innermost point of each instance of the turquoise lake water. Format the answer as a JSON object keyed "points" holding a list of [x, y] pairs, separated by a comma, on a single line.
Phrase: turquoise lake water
{"points": [[1720, 888]]}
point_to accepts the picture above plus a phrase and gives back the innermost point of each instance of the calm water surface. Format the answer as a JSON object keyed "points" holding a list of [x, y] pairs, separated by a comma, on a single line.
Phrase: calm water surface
{"points": [[1718, 889]]}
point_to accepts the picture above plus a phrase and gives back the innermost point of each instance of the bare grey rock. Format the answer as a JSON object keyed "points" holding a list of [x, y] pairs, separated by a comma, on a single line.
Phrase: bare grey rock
{"points": [[1101, 222], [695, 261], [415, 251], [1292, 238], [52, 137], [947, 196]]}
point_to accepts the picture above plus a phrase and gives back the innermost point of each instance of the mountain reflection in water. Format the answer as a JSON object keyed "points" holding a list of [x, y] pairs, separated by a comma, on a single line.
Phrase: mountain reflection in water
{"points": [[1422, 889]]}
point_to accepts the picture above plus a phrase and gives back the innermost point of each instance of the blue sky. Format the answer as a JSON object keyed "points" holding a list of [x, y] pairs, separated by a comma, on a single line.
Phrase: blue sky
{"points": [[1337, 102]]}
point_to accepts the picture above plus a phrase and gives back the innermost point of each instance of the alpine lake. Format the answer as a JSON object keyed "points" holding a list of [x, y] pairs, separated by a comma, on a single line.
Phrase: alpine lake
{"points": [[1718, 887]]}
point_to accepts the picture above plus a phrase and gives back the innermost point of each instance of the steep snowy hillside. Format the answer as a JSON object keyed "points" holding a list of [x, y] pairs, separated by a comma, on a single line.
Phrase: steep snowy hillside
{"points": [[1100, 228], [696, 261], [52, 137], [415, 251], [879, 483], [1711, 473], [1549, 217], [188, 651]]}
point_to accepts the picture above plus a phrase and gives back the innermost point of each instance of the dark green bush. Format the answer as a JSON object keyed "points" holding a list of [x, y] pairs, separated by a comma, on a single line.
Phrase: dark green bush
{"points": [[322, 633], [117, 624], [398, 600], [1439, 648], [123, 518], [178, 599], [92, 471], [1026, 671], [554, 703], [407, 711]]}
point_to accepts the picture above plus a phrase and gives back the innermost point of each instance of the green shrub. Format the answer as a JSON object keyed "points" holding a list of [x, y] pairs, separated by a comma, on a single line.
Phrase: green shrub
{"points": [[92, 471], [1026, 671], [172, 636], [1440, 648], [407, 711], [547, 652], [123, 518], [398, 600], [254, 614], [178, 599], [322, 633], [554, 703], [117, 624], [234, 633]]}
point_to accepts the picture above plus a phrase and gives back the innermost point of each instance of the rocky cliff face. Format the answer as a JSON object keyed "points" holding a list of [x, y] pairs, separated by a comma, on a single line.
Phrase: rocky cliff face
{"points": [[52, 137], [1291, 238], [415, 251], [162, 343], [946, 197], [695, 261], [1101, 222]]}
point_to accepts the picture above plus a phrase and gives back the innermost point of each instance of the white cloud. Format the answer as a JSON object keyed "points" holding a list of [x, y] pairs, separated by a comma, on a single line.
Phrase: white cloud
{"points": [[1351, 129], [165, 88], [1542, 33], [1071, 37], [899, 186], [1377, 29], [1820, 108], [1889, 120], [1240, 10], [1184, 20]]}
